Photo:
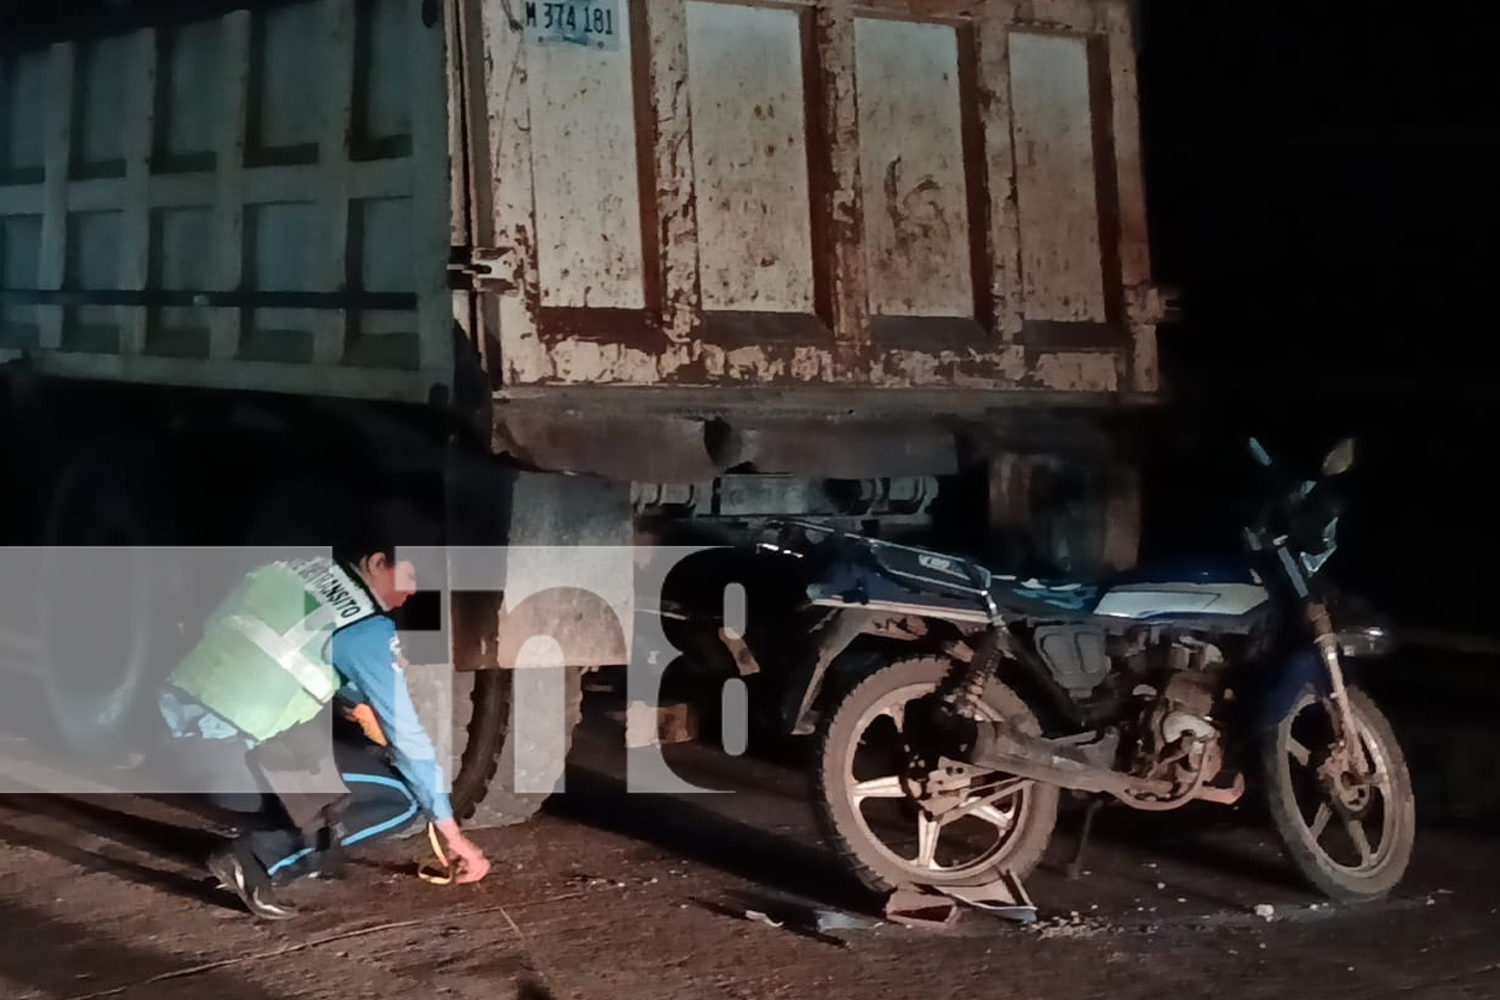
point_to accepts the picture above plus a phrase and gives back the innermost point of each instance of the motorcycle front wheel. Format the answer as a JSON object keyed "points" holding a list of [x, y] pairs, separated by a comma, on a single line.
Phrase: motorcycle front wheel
{"points": [[882, 824], [1351, 838]]}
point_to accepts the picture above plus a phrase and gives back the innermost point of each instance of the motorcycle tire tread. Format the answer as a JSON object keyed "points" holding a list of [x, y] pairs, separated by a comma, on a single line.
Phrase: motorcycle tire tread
{"points": [[1285, 817], [833, 812]]}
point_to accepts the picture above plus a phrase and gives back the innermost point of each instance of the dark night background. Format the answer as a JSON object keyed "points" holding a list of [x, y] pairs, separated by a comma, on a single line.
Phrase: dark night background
{"points": [[1322, 192]]}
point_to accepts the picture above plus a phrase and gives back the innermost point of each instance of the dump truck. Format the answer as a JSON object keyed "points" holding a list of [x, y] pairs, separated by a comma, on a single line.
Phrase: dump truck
{"points": [[577, 273]]}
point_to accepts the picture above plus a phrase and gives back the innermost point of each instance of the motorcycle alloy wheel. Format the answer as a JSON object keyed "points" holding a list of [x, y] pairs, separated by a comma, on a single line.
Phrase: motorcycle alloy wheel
{"points": [[870, 718], [1325, 816]]}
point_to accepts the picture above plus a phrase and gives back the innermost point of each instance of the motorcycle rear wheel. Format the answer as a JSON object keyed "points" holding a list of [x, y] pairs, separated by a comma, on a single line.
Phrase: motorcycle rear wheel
{"points": [[1324, 833], [1025, 820]]}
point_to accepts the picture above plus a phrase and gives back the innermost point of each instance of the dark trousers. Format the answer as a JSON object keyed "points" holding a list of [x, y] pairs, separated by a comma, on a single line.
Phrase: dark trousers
{"points": [[380, 805]]}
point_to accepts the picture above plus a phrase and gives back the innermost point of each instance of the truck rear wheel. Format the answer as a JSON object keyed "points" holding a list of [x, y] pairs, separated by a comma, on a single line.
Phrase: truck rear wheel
{"points": [[104, 597], [1078, 518], [487, 790]]}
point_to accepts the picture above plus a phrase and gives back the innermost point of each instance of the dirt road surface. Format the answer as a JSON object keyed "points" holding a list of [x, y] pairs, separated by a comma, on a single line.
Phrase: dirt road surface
{"points": [[618, 896]]}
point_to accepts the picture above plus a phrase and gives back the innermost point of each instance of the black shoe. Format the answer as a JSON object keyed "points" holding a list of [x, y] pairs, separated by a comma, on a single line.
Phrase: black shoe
{"points": [[324, 866], [328, 860], [231, 871]]}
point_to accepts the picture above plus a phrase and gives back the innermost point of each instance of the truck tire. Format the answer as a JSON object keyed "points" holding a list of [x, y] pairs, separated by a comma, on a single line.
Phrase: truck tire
{"points": [[104, 622], [485, 789], [1075, 518]]}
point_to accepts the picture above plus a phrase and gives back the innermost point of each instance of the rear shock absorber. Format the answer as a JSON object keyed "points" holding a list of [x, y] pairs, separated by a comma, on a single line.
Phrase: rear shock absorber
{"points": [[949, 728], [966, 684]]}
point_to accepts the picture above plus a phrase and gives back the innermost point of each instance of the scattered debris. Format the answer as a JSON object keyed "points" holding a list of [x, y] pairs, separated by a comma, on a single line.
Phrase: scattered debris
{"points": [[1265, 911], [588, 881], [1073, 926], [793, 916], [837, 920], [761, 918], [822, 919]]}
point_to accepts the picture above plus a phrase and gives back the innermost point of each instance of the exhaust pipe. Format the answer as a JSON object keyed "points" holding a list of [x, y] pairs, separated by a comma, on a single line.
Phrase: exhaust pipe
{"points": [[1085, 768]]}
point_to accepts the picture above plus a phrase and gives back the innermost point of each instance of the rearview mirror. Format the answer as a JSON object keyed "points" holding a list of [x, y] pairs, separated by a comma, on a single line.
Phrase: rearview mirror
{"points": [[1340, 460], [1258, 452]]}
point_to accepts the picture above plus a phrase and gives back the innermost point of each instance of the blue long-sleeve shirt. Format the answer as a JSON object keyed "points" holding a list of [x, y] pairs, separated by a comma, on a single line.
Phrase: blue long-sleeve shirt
{"points": [[367, 656]]}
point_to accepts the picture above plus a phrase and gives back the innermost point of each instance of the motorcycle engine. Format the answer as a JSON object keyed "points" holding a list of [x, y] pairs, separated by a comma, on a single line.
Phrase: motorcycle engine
{"points": [[1177, 739], [1185, 707]]}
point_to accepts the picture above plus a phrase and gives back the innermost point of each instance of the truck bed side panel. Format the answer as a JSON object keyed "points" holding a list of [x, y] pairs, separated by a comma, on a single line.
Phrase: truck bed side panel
{"points": [[900, 194], [257, 200]]}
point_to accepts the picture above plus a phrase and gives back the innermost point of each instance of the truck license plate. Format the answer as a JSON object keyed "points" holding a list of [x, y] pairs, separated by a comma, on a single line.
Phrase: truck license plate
{"points": [[594, 24]]}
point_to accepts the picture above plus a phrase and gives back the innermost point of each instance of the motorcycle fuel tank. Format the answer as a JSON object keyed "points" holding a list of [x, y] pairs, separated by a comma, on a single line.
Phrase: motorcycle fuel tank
{"points": [[1146, 595], [1153, 600]]}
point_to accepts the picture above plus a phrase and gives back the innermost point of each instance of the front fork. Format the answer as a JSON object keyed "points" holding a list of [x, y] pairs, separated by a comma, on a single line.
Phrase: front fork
{"points": [[1316, 613], [1345, 735]]}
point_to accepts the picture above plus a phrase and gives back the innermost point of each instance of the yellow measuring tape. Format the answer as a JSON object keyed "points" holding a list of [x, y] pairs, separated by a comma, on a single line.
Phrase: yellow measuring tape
{"points": [[442, 873]]}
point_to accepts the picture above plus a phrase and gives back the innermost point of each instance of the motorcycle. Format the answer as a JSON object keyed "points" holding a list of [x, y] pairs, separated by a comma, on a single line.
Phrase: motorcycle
{"points": [[972, 699]]}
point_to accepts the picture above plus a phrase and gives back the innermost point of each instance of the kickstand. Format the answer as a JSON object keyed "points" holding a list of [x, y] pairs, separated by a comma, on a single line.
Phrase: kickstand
{"points": [[1075, 865]]}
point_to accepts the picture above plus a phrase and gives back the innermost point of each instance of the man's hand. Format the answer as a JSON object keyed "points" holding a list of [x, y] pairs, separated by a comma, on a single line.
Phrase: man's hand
{"points": [[470, 864]]}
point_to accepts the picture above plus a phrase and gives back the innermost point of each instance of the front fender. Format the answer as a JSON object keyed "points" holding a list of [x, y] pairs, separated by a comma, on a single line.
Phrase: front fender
{"points": [[1303, 668]]}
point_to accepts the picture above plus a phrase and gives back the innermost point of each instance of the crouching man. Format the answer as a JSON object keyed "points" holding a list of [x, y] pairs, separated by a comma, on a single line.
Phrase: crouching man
{"points": [[258, 714]]}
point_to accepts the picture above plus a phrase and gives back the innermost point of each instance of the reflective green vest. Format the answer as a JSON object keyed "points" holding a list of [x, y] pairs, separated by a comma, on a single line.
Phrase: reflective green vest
{"points": [[263, 662]]}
